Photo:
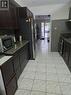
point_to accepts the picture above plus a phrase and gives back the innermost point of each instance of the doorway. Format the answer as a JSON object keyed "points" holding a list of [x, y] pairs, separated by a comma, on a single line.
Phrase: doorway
{"points": [[44, 34], [45, 30], [42, 30]]}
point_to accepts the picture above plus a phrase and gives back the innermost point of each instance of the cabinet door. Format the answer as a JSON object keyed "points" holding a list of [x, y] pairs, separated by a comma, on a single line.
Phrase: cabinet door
{"points": [[11, 87], [70, 60], [5, 19], [17, 67], [61, 46], [66, 53], [21, 12], [7, 71], [24, 57], [14, 19], [8, 19], [27, 53], [18, 73], [16, 61]]}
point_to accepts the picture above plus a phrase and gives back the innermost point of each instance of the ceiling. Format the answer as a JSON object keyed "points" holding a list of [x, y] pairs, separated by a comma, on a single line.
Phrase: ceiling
{"points": [[32, 3]]}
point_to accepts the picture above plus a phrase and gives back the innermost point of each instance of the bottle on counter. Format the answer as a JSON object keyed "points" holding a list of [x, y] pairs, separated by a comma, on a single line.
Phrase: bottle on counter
{"points": [[14, 39], [20, 38]]}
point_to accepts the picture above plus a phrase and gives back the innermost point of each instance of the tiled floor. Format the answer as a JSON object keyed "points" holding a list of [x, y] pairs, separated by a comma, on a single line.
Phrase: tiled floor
{"points": [[47, 75]]}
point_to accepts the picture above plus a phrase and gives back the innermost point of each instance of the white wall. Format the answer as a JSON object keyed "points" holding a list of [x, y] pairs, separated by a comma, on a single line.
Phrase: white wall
{"points": [[61, 13], [57, 11], [20, 2]]}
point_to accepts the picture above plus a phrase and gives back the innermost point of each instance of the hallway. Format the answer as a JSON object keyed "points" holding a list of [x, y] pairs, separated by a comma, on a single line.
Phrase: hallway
{"points": [[43, 47], [47, 75]]}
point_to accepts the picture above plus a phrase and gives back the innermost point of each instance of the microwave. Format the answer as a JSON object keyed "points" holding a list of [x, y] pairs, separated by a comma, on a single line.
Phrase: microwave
{"points": [[6, 42]]}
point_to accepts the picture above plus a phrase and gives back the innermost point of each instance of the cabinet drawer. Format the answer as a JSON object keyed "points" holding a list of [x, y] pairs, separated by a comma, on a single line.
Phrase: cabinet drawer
{"points": [[7, 70], [11, 87]]}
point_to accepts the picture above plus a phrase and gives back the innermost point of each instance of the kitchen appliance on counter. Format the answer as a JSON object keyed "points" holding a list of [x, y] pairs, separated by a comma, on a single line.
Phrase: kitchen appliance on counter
{"points": [[6, 42]]}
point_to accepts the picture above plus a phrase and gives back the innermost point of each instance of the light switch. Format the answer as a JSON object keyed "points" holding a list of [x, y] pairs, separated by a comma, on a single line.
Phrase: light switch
{"points": [[55, 28]]}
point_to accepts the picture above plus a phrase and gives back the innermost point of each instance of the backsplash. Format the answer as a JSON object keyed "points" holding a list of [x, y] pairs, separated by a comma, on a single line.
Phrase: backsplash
{"points": [[6, 32]]}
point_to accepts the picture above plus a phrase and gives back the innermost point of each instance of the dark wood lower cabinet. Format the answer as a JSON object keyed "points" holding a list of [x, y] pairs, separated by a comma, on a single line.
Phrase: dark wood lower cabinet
{"points": [[7, 71], [20, 60], [17, 67], [18, 72], [24, 57], [66, 52], [9, 77], [12, 69], [16, 61], [12, 86], [60, 46], [70, 59]]}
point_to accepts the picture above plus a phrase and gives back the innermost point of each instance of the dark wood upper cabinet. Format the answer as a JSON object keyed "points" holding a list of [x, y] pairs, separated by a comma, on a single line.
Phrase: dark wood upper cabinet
{"points": [[14, 17], [8, 18], [5, 19], [24, 12]]}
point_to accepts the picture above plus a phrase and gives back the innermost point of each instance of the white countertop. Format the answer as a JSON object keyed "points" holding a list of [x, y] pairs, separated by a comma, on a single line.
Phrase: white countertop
{"points": [[4, 59]]}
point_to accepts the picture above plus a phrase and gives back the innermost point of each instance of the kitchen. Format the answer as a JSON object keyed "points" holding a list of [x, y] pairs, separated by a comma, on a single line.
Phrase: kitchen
{"points": [[17, 45]]}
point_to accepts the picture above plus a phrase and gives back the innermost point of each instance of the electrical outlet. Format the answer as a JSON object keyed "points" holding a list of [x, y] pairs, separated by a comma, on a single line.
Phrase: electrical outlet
{"points": [[55, 28]]}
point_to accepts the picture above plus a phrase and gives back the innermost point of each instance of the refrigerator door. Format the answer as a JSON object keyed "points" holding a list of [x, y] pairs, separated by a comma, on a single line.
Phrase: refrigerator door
{"points": [[33, 39]]}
